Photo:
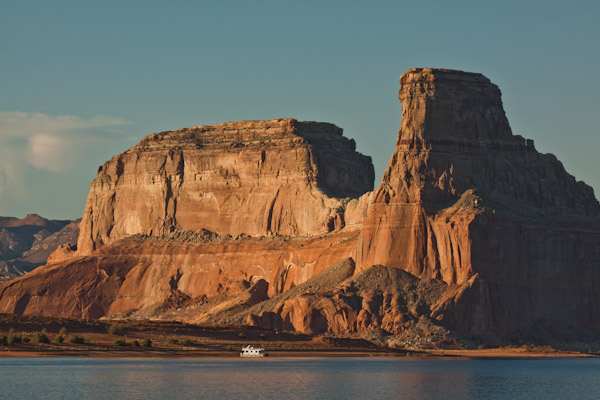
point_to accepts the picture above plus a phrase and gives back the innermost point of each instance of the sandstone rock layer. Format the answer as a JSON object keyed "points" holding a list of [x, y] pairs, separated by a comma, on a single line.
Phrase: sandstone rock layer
{"points": [[138, 276], [252, 177], [465, 201], [270, 223]]}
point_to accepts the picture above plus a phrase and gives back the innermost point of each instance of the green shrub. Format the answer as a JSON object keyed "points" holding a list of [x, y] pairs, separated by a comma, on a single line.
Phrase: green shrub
{"points": [[25, 339], [59, 339], [173, 341], [116, 328], [136, 343], [120, 342], [480, 347], [76, 339], [189, 342], [41, 337], [242, 335], [63, 331], [3, 340], [147, 343], [14, 339]]}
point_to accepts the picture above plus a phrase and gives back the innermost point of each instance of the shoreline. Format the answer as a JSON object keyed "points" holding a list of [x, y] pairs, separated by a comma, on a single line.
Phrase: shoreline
{"points": [[408, 354], [41, 337]]}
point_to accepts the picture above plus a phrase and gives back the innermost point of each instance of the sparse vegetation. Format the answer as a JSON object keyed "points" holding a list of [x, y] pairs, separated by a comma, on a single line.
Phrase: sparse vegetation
{"points": [[481, 347], [41, 337], [92, 337], [121, 343], [116, 328], [63, 331], [14, 339], [76, 339]]}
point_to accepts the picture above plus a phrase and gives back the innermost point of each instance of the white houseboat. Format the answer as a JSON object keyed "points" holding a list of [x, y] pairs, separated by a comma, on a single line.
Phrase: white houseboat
{"points": [[250, 351]]}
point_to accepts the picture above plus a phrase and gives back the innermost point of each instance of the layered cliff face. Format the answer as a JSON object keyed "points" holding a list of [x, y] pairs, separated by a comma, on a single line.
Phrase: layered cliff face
{"points": [[260, 222], [465, 201], [454, 150], [144, 276], [257, 178]]}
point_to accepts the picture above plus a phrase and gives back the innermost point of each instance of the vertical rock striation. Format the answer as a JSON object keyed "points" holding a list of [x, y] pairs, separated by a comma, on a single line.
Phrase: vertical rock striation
{"points": [[466, 201], [251, 177], [471, 228]]}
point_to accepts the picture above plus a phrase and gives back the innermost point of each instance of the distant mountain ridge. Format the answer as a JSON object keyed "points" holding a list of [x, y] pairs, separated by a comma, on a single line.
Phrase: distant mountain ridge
{"points": [[26, 243]]}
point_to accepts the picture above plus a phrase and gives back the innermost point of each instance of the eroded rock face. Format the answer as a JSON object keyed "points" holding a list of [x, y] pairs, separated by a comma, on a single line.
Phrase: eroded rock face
{"points": [[252, 177], [455, 149], [465, 201], [145, 276], [377, 298], [471, 229]]}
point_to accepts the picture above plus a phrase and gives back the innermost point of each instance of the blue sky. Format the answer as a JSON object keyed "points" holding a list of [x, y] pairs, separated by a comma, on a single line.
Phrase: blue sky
{"points": [[82, 81]]}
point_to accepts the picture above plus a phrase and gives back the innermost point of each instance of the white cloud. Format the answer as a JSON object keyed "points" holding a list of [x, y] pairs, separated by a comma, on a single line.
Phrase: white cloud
{"points": [[47, 151], [47, 142]]}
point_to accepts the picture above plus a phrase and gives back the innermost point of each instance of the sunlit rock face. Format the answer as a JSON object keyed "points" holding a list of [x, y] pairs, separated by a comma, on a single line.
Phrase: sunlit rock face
{"points": [[272, 223], [252, 177], [466, 201]]}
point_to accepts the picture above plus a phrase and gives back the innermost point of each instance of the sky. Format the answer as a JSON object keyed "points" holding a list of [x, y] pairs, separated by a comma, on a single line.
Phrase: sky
{"points": [[82, 81]]}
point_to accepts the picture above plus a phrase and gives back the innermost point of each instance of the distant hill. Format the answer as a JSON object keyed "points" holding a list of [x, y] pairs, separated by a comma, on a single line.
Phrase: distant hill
{"points": [[26, 243]]}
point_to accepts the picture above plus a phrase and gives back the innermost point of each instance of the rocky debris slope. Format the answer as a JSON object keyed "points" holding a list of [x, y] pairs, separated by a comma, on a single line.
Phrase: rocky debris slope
{"points": [[279, 177], [377, 298], [26, 243]]}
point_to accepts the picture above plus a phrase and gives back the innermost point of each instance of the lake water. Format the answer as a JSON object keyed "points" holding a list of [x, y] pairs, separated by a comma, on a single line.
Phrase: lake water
{"points": [[276, 378]]}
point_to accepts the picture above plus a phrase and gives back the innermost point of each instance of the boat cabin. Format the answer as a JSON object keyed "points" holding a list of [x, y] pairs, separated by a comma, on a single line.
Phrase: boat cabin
{"points": [[250, 351]]}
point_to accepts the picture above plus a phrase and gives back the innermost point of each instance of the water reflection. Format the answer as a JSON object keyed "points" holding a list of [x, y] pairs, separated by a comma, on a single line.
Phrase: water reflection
{"points": [[336, 378]]}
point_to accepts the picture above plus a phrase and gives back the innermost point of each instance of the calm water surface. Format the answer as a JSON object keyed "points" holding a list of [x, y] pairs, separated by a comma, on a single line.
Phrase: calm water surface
{"points": [[276, 378]]}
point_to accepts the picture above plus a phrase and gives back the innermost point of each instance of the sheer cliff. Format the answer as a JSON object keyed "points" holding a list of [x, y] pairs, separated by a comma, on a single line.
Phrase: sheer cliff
{"points": [[279, 177], [272, 223], [465, 201]]}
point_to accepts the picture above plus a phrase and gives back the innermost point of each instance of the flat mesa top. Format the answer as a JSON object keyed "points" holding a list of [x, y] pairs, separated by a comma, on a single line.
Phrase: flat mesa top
{"points": [[230, 135], [441, 74]]}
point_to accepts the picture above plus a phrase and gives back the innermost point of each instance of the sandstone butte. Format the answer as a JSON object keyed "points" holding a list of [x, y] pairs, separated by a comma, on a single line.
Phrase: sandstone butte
{"points": [[472, 232]]}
